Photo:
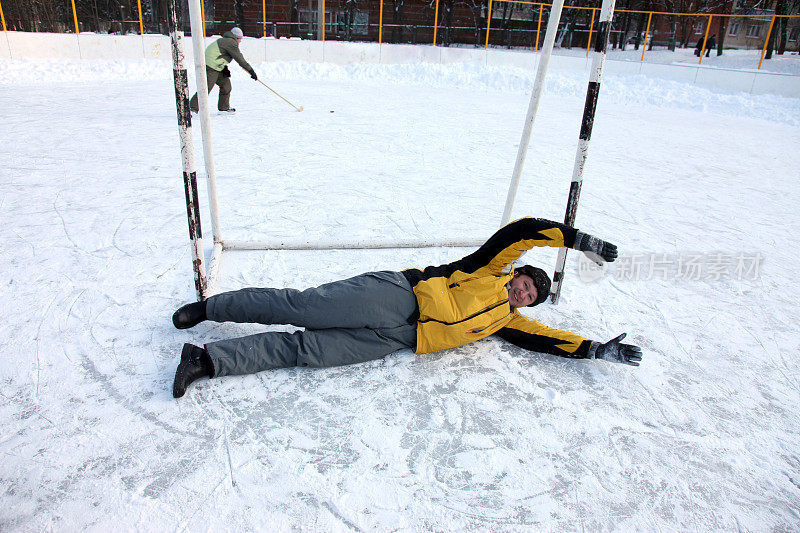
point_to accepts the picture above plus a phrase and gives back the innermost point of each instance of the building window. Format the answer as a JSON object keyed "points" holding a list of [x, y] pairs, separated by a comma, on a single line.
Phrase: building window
{"points": [[308, 21], [734, 29], [795, 33], [699, 28], [360, 25], [754, 30]]}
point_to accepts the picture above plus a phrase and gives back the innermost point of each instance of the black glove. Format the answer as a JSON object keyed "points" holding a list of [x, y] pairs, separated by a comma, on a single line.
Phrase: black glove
{"points": [[617, 352], [596, 249], [253, 75], [225, 72]]}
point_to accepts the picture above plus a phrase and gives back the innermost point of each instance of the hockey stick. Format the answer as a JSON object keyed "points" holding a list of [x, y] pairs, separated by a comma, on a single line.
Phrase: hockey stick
{"points": [[281, 97]]}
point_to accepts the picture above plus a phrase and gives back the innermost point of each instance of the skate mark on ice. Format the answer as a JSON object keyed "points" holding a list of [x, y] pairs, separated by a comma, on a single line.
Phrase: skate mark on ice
{"points": [[792, 382], [90, 368], [335, 512], [38, 342]]}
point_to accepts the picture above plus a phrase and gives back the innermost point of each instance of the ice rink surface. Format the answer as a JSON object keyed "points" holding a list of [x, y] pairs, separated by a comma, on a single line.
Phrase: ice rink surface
{"points": [[698, 187]]}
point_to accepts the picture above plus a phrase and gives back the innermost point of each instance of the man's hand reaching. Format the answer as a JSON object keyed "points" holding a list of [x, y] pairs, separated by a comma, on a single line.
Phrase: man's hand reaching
{"points": [[596, 249], [617, 352]]}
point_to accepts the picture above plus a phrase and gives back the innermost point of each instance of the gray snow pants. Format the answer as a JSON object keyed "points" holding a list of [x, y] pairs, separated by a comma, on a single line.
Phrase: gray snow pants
{"points": [[349, 321]]}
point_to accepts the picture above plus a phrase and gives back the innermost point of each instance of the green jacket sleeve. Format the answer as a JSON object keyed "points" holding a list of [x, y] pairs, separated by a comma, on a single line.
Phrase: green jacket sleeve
{"points": [[231, 47]]}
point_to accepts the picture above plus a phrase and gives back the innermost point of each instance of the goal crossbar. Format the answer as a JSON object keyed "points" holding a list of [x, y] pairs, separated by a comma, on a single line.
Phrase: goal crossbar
{"points": [[346, 245]]}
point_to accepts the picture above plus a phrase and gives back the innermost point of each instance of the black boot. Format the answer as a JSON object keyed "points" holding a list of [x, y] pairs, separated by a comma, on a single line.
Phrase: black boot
{"points": [[190, 315], [195, 363]]}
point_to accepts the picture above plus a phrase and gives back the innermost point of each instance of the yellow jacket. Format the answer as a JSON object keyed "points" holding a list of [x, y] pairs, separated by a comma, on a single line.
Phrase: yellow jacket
{"points": [[467, 300]]}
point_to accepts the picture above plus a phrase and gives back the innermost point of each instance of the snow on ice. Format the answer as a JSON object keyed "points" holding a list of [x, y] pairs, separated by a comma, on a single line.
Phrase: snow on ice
{"points": [[703, 436]]}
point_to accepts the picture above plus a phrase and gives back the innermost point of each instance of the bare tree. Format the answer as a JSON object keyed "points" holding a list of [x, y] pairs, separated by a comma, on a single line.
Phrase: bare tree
{"points": [[397, 20], [239, 11], [479, 10], [564, 34], [681, 26], [447, 28], [781, 8], [349, 19], [507, 10], [624, 24]]}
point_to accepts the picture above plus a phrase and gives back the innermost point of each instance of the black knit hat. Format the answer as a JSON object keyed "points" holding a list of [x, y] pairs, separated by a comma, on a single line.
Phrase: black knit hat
{"points": [[540, 280]]}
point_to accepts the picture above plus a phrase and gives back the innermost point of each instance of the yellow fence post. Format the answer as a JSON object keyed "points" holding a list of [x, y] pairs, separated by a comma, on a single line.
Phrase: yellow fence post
{"points": [[323, 20], [203, 12], [766, 42], [591, 29], [75, 16], [264, 15], [488, 23], [646, 33], [141, 24], [2, 16], [435, 22], [539, 27], [705, 39], [380, 25]]}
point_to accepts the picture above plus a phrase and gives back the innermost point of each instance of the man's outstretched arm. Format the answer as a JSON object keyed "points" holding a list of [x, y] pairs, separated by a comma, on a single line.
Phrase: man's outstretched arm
{"points": [[512, 240], [534, 336], [236, 54]]}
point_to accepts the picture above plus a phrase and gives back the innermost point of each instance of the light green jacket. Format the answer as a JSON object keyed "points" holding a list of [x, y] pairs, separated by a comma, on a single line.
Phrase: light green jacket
{"points": [[223, 50]]}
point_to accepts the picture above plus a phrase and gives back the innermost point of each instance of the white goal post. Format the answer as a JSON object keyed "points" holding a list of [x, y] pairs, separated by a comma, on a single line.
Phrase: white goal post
{"points": [[205, 278]]}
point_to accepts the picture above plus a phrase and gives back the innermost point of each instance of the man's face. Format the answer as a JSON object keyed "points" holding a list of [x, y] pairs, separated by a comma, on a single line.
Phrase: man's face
{"points": [[521, 291]]}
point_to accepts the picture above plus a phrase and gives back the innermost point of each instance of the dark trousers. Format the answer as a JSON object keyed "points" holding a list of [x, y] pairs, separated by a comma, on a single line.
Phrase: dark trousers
{"points": [[215, 78], [349, 321]]}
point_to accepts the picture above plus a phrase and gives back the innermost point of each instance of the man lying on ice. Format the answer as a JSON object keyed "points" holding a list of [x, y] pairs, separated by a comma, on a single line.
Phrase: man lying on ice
{"points": [[372, 315]]}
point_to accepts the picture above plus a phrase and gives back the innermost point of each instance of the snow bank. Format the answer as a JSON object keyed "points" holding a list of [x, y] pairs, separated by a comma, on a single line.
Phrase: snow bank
{"points": [[735, 70], [618, 88]]}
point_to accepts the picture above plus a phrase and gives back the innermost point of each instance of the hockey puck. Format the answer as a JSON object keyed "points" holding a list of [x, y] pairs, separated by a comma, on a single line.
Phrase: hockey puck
{"points": [[331, 110]]}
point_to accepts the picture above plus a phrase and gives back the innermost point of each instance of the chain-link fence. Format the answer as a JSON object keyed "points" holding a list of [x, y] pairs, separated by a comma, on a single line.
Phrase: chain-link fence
{"points": [[512, 24]]}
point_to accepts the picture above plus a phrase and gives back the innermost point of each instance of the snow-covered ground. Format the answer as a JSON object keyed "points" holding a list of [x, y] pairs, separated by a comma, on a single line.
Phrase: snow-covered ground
{"points": [[748, 60], [698, 187]]}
